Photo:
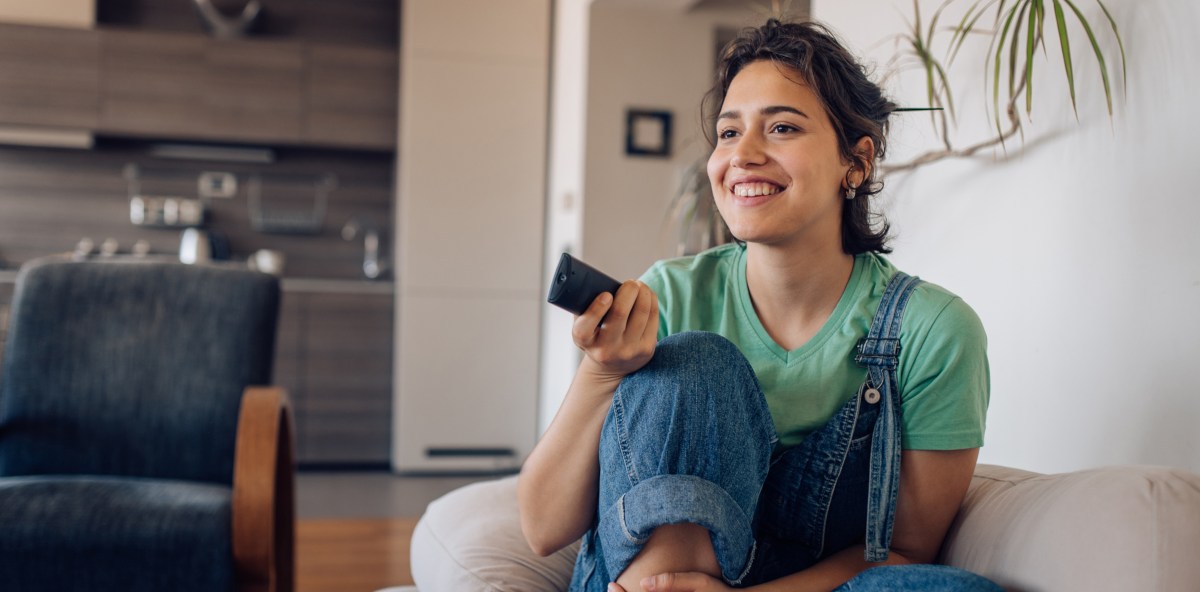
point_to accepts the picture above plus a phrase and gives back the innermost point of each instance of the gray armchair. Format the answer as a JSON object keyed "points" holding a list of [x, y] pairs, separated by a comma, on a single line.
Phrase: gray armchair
{"points": [[134, 452]]}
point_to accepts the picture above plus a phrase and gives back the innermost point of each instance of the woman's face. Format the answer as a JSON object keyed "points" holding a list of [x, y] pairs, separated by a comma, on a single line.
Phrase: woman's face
{"points": [[776, 171]]}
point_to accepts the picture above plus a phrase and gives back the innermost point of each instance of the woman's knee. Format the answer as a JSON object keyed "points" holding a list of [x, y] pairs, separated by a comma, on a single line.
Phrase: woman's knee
{"points": [[694, 377], [696, 409]]}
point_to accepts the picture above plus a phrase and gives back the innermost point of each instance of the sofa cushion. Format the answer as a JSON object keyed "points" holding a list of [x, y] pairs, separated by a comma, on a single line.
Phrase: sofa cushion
{"points": [[1114, 528], [101, 533], [470, 539], [1117, 528]]}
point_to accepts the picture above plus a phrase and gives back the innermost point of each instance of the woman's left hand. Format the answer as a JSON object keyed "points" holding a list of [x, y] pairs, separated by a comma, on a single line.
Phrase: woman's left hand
{"points": [[678, 582]]}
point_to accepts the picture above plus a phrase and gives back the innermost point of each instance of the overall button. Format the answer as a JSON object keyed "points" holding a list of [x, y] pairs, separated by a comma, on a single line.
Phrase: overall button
{"points": [[871, 395]]}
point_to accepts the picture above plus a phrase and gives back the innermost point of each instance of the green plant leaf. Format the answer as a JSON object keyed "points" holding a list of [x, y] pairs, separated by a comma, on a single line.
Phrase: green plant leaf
{"points": [[946, 86], [917, 15], [1099, 54], [1120, 44], [1014, 46], [934, 72], [1065, 42], [1012, 13], [929, 67], [937, 14], [1041, 26], [1030, 46], [965, 27]]}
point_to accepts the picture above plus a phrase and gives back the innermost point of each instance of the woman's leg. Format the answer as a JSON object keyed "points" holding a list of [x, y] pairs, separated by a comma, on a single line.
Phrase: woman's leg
{"points": [[687, 442], [672, 548], [927, 578]]}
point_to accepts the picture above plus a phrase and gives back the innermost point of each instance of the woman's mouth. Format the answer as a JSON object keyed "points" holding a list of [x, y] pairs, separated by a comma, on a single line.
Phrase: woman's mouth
{"points": [[756, 189]]}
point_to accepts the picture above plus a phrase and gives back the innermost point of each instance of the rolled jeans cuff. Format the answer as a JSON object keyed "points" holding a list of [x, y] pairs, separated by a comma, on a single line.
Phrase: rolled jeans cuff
{"points": [[674, 499]]}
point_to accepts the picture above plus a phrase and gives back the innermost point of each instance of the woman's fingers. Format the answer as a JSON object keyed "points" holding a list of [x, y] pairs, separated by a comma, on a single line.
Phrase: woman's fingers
{"points": [[612, 331], [682, 582], [618, 315], [583, 331], [650, 331], [639, 317]]}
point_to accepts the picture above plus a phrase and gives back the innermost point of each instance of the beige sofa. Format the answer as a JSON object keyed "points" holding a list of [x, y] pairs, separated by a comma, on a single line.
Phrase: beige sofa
{"points": [[1132, 528]]}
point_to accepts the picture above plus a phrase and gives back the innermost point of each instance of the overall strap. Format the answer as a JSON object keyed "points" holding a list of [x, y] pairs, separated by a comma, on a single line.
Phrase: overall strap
{"points": [[880, 352]]}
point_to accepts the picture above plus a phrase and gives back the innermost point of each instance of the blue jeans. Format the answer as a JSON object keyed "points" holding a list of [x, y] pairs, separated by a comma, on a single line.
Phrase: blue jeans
{"points": [[689, 439]]}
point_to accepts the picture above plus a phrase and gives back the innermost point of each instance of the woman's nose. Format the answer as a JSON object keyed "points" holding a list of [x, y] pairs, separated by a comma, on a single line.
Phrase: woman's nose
{"points": [[748, 151]]}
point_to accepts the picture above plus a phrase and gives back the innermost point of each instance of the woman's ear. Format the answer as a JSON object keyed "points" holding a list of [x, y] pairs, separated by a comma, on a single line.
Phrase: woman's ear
{"points": [[864, 151]]}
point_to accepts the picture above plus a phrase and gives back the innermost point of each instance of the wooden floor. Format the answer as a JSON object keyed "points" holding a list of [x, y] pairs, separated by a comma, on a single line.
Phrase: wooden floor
{"points": [[353, 555]]}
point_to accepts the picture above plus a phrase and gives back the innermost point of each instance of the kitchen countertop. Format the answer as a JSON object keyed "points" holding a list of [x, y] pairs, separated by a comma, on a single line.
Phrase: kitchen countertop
{"points": [[338, 286]]}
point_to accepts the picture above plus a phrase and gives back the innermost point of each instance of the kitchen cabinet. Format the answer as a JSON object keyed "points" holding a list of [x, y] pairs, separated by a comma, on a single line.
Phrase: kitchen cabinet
{"points": [[181, 86], [188, 86], [334, 355], [351, 95], [49, 76], [274, 92]]}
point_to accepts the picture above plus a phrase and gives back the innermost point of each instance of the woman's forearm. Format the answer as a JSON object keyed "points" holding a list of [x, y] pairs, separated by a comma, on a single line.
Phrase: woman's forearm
{"points": [[559, 482], [829, 573]]}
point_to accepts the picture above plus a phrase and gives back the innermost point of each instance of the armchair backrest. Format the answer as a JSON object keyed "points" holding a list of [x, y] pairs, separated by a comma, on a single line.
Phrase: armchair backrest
{"points": [[132, 368]]}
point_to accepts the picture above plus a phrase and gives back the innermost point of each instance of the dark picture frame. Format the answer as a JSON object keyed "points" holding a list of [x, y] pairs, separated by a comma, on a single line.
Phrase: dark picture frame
{"points": [[648, 132]]}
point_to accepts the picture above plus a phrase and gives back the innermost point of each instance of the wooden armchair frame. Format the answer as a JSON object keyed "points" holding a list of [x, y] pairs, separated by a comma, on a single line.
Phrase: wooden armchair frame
{"points": [[264, 497]]}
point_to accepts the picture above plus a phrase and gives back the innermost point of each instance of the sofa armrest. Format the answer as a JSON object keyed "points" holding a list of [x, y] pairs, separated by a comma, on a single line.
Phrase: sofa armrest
{"points": [[264, 508], [1114, 528]]}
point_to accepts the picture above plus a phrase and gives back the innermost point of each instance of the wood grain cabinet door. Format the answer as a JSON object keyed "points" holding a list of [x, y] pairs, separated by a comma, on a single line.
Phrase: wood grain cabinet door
{"points": [[345, 414], [154, 84], [351, 95], [49, 76], [252, 90], [192, 87]]}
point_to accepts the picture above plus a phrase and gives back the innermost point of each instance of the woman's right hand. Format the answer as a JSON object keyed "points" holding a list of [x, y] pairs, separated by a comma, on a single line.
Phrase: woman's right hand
{"points": [[559, 481], [618, 335]]}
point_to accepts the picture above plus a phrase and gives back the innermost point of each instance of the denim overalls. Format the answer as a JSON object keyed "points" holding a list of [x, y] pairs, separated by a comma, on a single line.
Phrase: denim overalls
{"points": [[689, 438]]}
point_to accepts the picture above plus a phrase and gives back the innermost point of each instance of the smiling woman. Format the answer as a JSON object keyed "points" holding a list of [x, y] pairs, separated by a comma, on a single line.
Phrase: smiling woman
{"points": [[841, 103], [776, 172], [742, 415]]}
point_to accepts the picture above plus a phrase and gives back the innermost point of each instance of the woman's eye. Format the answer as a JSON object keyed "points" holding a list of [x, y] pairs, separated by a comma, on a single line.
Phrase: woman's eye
{"points": [[726, 134], [783, 128]]}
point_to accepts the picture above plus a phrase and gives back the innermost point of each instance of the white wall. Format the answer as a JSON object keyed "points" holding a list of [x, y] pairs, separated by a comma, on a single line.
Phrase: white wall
{"points": [[1077, 251]]}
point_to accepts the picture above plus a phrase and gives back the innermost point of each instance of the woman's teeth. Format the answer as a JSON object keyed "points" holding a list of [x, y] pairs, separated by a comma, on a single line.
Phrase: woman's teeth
{"points": [[755, 189]]}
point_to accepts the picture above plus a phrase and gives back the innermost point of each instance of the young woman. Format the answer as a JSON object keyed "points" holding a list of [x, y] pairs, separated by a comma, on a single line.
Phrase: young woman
{"points": [[784, 412]]}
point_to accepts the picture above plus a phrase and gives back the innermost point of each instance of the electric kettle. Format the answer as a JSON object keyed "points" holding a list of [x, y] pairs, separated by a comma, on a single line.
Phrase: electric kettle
{"points": [[195, 246]]}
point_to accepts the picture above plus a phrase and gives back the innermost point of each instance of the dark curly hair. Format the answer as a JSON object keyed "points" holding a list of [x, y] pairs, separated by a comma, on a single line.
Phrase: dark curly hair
{"points": [[855, 105]]}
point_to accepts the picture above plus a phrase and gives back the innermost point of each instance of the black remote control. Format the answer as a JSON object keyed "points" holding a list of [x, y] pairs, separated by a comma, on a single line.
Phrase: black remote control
{"points": [[576, 284]]}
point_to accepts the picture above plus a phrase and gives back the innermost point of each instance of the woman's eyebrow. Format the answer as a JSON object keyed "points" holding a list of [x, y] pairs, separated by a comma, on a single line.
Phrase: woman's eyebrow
{"points": [[772, 110], [776, 109]]}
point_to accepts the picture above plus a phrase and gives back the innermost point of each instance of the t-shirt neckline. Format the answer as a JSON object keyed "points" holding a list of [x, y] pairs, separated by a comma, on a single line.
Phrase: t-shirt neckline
{"points": [[835, 320]]}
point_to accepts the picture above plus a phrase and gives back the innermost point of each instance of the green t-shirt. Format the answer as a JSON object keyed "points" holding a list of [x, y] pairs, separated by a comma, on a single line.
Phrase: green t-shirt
{"points": [[943, 368]]}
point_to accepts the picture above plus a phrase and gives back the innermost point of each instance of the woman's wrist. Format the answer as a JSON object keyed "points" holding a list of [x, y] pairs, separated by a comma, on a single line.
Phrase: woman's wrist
{"points": [[597, 375]]}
